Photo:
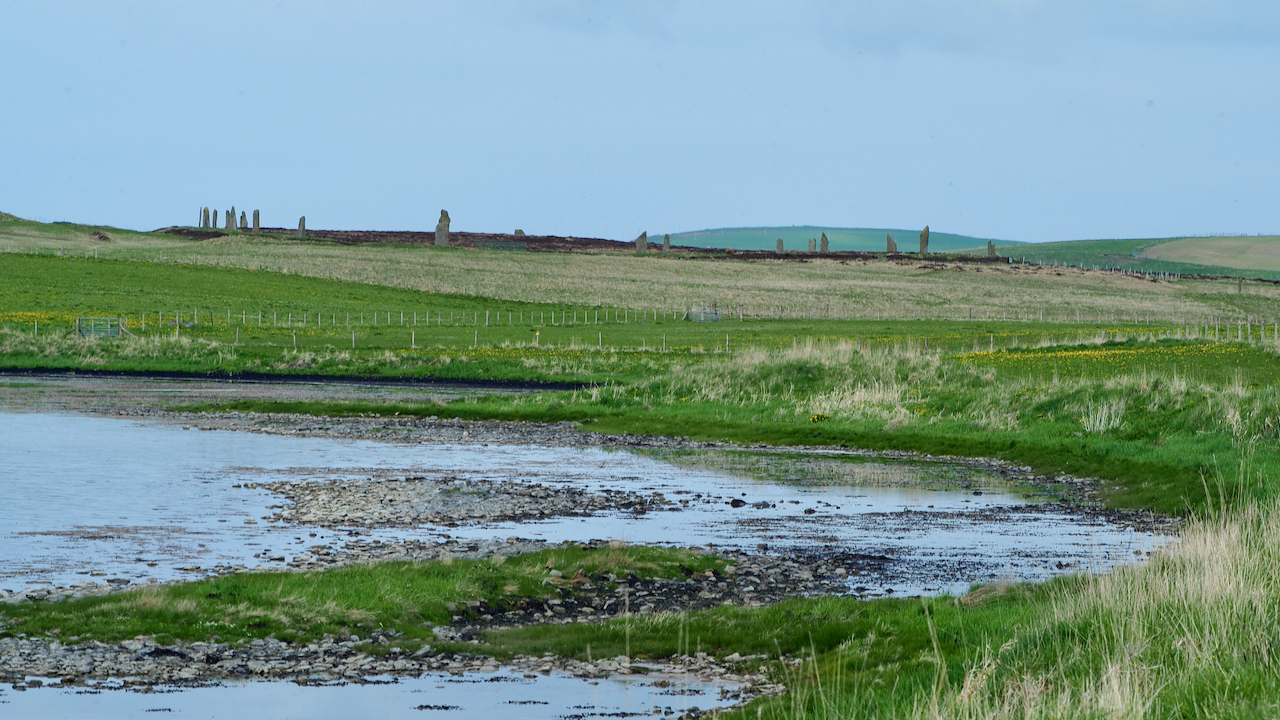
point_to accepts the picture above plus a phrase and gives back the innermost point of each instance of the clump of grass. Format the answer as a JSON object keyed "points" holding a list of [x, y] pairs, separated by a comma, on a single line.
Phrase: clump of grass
{"points": [[1190, 634], [97, 351]]}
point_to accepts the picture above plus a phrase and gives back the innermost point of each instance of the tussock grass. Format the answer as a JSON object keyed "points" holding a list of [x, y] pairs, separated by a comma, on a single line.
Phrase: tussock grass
{"points": [[1191, 634]]}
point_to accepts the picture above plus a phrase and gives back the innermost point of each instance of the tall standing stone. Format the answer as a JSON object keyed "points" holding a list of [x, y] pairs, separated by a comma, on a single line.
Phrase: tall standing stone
{"points": [[231, 222], [256, 226], [204, 223], [442, 229], [991, 249], [302, 226], [244, 221], [779, 245], [666, 243], [813, 244], [231, 225], [642, 242], [890, 246], [924, 241], [826, 245]]}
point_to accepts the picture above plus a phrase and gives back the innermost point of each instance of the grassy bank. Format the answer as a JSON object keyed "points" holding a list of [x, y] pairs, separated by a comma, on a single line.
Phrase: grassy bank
{"points": [[302, 607]]}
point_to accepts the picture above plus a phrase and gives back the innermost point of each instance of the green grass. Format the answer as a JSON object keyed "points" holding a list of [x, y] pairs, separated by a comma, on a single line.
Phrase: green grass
{"points": [[253, 321], [303, 607]]}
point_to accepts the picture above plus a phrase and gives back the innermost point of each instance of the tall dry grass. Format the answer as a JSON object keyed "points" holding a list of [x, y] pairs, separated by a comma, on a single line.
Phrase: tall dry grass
{"points": [[1195, 632], [96, 351], [906, 385]]}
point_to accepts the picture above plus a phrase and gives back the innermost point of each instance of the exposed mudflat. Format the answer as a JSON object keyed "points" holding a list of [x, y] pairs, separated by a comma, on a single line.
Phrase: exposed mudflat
{"points": [[446, 501]]}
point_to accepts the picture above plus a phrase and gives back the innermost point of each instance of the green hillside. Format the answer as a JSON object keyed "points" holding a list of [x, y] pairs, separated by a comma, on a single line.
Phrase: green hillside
{"points": [[1239, 256], [796, 237]]}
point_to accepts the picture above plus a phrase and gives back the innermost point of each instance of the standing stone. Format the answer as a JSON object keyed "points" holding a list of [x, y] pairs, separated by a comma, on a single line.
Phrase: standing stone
{"points": [[642, 242], [991, 249], [231, 222], [813, 244], [442, 229], [256, 226], [779, 245], [302, 226], [244, 221], [924, 241], [666, 243], [204, 222], [826, 246], [890, 246], [519, 232]]}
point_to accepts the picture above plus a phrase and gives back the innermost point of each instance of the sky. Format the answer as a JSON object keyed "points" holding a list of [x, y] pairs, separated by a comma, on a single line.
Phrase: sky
{"points": [[1009, 119]]}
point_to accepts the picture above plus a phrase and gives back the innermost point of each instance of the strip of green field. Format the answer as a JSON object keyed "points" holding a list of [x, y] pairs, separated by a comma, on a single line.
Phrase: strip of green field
{"points": [[1129, 255], [303, 607], [796, 237], [223, 320]]}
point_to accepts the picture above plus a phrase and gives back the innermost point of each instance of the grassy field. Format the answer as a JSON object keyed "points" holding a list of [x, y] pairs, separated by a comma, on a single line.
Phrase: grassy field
{"points": [[796, 237], [773, 289], [1244, 256], [1246, 253]]}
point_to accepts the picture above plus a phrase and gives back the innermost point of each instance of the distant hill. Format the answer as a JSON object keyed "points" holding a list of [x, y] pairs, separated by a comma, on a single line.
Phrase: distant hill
{"points": [[796, 237], [1250, 256]]}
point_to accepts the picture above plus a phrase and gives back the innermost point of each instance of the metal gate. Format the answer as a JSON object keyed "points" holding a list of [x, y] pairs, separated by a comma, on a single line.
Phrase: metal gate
{"points": [[99, 327]]}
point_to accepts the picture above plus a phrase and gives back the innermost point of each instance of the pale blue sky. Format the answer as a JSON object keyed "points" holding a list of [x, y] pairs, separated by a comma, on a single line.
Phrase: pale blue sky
{"points": [[1011, 119]]}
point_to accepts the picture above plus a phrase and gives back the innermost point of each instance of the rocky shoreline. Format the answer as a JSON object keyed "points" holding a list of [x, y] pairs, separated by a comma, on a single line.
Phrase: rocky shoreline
{"points": [[1081, 495], [446, 501], [746, 580], [141, 663]]}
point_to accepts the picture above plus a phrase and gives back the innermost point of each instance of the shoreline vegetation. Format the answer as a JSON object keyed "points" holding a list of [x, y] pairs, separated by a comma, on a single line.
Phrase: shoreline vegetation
{"points": [[1188, 634], [1166, 391]]}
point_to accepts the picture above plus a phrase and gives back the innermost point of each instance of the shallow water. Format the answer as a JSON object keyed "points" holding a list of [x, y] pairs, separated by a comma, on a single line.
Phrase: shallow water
{"points": [[478, 696], [128, 499]]}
